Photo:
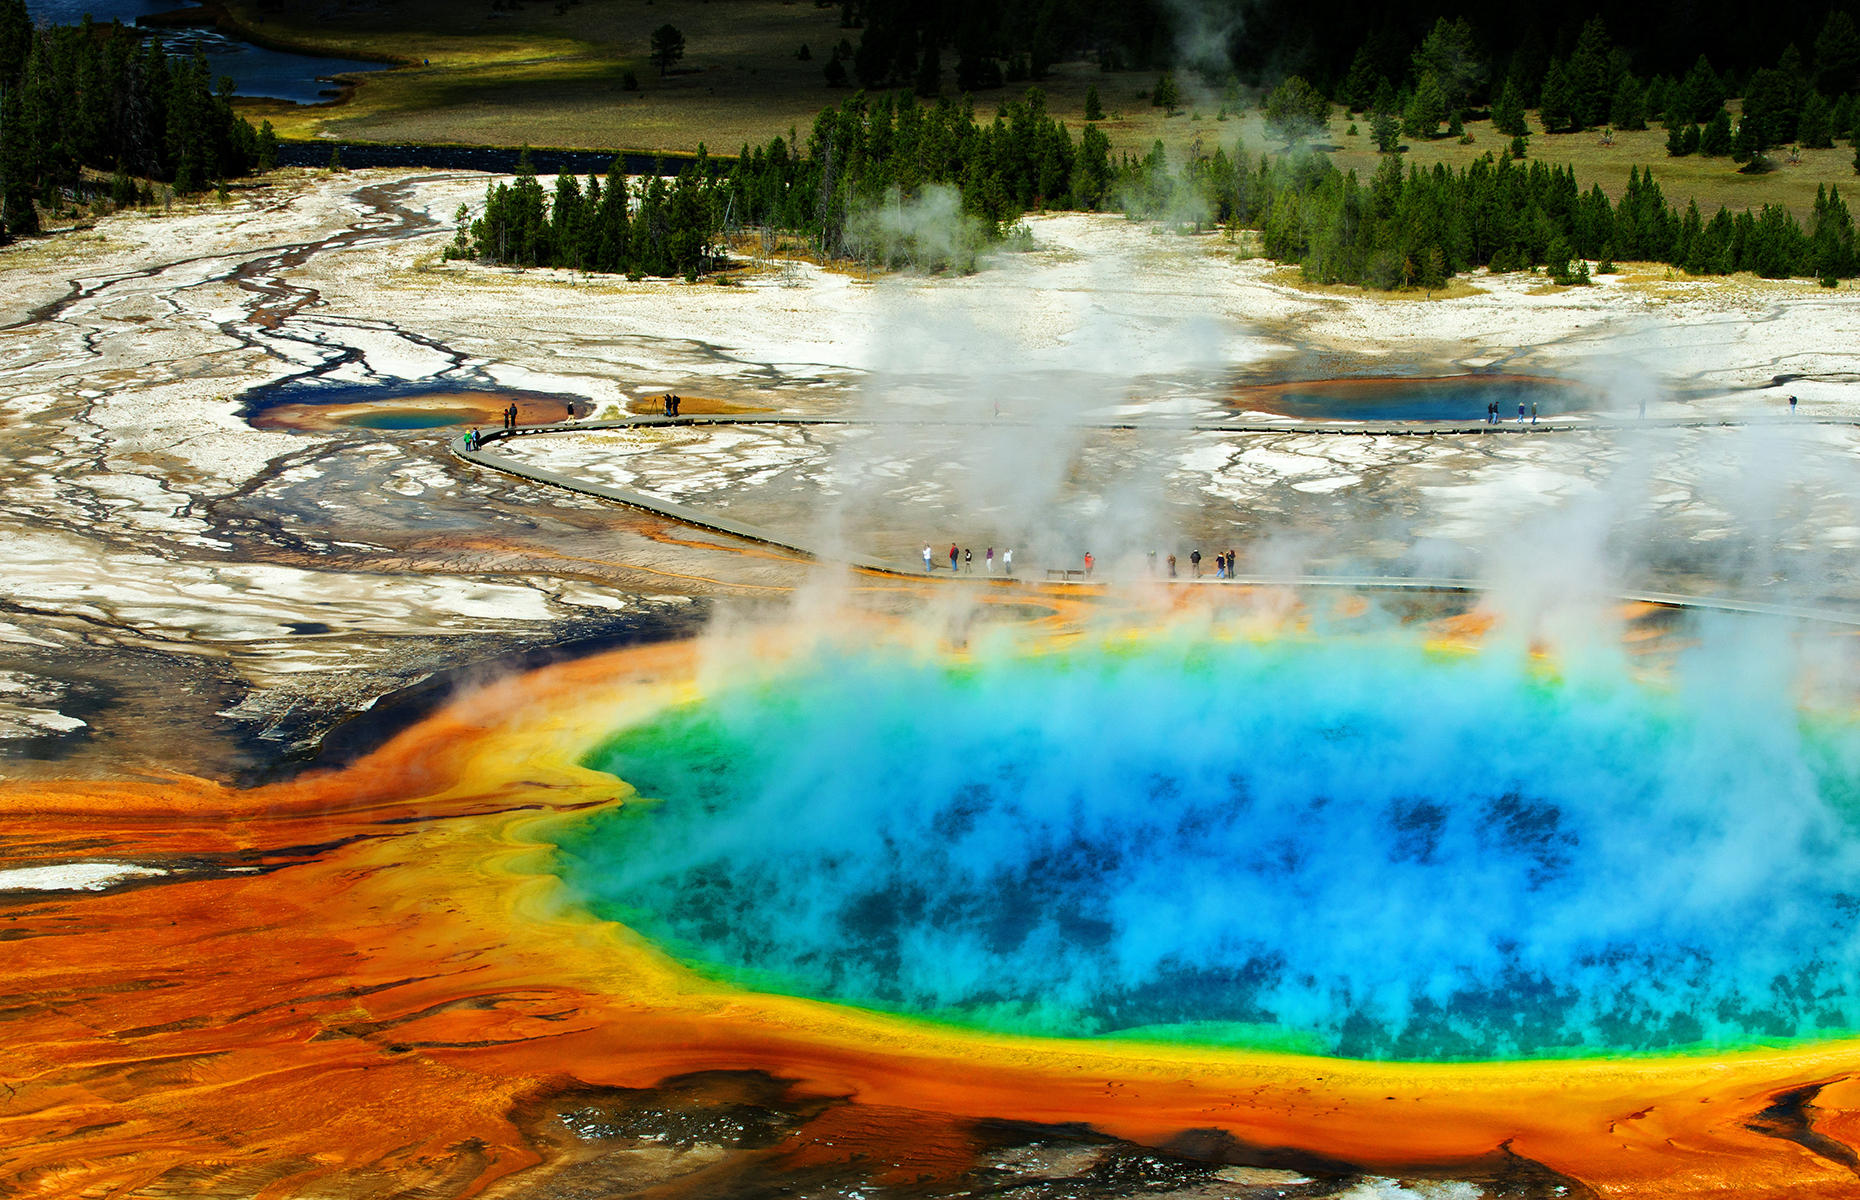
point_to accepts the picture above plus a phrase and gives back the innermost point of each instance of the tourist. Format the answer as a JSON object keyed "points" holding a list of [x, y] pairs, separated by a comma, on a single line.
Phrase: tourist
{"points": [[1152, 564], [1231, 560], [1533, 412], [952, 558], [968, 562], [1194, 562], [1792, 406], [1172, 566], [1220, 566], [1088, 561], [1007, 562], [1643, 408], [926, 558], [571, 412], [1520, 412], [991, 560]]}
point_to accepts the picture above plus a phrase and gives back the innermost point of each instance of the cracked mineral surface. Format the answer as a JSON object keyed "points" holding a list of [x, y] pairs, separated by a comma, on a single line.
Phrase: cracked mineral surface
{"points": [[270, 583]]}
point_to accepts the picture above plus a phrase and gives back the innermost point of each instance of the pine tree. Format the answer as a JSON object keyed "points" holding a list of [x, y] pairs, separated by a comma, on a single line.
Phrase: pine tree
{"points": [[1841, 118], [1425, 109], [1508, 112], [267, 148], [1164, 95], [1450, 54], [1702, 94], [1094, 107], [16, 168], [1628, 108], [15, 38], [1557, 109], [1590, 75], [1676, 142], [1385, 130], [1715, 140], [1359, 83], [1837, 55], [668, 46], [1815, 130], [1385, 99], [1296, 111]]}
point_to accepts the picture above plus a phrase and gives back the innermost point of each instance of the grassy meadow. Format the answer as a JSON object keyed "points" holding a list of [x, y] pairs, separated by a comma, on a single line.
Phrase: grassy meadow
{"points": [[551, 73]]}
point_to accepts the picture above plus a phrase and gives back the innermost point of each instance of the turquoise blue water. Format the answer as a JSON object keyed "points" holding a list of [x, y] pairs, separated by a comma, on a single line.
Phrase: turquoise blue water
{"points": [[1350, 847]]}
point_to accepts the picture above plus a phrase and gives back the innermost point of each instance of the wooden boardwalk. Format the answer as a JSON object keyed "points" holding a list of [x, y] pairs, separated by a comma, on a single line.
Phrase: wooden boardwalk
{"points": [[822, 552]]}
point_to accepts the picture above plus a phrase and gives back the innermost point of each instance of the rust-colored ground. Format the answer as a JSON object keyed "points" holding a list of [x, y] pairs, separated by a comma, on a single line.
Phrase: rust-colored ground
{"points": [[393, 978]]}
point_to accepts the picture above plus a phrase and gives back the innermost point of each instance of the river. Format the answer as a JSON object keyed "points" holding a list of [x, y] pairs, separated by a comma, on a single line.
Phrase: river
{"points": [[256, 71]]}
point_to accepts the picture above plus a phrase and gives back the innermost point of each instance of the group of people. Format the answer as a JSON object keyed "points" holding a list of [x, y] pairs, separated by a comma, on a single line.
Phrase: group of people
{"points": [[964, 560], [672, 403], [1225, 564], [1491, 412], [510, 415], [473, 439]]}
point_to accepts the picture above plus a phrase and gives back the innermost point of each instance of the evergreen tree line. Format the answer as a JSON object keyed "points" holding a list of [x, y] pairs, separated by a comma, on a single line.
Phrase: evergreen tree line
{"points": [[1344, 47], [1446, 76], [645, 227], [859, 156], [1418, 227], [1403, 227], [106, 98], [1347, 47]]}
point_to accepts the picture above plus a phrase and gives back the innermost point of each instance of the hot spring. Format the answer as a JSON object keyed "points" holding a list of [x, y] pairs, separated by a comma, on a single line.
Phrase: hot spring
{"points": [[1369, 847], [327, 406], [1460, 398]]}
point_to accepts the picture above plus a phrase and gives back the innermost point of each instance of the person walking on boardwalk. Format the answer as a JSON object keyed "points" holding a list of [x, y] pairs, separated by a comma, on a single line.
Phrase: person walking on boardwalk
{"points": [[1007, 561], [1088, 562], [926, 558], [1232, 567], [1533, 412], [1792, 406], [952, 558], [1220, 566], [1172, 566], [968, 562], [1194, 562], [991, 560], [1520, 412]]}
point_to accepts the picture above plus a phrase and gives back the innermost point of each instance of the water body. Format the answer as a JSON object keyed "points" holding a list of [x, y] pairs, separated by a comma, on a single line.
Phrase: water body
{"points": [[1454, 398], [325, 406], [1362, 848], [256, 71]]}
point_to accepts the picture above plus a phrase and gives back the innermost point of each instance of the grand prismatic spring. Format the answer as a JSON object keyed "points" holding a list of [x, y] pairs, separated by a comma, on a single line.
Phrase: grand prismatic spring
{"points": [[626, 807]]}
